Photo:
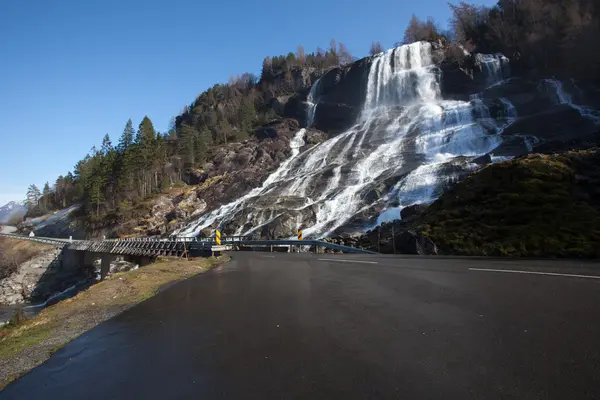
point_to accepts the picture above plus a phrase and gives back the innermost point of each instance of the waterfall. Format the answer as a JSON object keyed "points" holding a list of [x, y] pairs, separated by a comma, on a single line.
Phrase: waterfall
{"points": [[400, 151], [562, 97], [312, 102], [495, 67], [227, 210]]}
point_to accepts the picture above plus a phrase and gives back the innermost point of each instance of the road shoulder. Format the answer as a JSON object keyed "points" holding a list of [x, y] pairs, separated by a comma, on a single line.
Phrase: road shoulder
{"points": [[27, 343]]}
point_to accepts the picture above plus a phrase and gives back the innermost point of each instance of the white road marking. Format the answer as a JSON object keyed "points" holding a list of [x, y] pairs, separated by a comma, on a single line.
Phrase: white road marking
{"points": [[535, 273], [350, 261], [269, 256]]}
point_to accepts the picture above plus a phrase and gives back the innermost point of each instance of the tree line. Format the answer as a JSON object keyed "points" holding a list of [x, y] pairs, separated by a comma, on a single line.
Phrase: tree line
{"points": [[541, 37]]}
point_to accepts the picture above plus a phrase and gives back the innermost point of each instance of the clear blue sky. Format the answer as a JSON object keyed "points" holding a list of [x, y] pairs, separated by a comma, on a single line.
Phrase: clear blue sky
{"points": [[72, 71]]}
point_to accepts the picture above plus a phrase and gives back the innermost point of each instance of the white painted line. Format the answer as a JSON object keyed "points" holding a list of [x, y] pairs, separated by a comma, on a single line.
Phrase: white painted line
{"points": [[269, 256], [350, 261], [535, 273]]}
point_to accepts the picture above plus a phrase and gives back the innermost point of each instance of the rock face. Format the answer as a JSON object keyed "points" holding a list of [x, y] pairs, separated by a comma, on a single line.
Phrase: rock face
{"points": [[340, 95], [402, 127], [410, 242], [19, 287]]}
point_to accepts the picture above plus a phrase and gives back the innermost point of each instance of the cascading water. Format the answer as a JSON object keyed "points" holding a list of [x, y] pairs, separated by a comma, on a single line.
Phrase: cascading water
{"points": [[400, 152], [495, 67], [221, 214], [562, 97], [312, 102]]}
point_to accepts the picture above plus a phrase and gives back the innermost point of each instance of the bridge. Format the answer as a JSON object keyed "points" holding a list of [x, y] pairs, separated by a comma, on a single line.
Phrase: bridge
{"points": [[143, 251]]}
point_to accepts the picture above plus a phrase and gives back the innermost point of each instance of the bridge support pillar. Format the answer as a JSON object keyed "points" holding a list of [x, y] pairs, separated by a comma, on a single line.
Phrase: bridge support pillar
{"points": [[106, 259]]}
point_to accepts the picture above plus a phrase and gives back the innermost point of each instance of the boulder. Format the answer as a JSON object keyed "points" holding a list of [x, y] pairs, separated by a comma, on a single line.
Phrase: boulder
{"points": [[194, 176], [410, 242]]}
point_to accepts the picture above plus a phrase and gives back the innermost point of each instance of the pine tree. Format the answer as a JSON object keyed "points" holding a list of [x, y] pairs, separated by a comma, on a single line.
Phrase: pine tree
{"points": [[187, 144], [146, 150], [46, 196], [125, 161], [33, 197], [200, 147], [127, 137]]}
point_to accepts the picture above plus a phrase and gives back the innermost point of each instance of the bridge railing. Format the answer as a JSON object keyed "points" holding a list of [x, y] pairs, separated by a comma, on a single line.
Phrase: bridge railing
{"points": [[122, 246]]}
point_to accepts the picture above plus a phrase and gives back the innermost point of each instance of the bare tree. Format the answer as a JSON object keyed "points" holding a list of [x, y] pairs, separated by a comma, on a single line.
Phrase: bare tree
{"points": [[418, 30], [376, 48], [300, 54], [344, 55]]}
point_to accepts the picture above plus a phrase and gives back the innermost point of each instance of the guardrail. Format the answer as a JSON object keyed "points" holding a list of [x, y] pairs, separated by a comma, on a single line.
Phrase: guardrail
{"points": [[55, 241], [180, 245]]}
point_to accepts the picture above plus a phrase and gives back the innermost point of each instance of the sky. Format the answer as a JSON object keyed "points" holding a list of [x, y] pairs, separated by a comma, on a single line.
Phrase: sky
{"points": [[72, 71]]}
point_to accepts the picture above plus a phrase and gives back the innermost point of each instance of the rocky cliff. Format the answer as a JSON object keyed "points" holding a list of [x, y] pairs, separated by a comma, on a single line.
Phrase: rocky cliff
{"points": [[401, 127], [358, 144]]}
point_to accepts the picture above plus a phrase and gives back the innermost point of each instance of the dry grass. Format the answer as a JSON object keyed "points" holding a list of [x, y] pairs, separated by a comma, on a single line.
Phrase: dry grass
{"points": [[24, 346], [14, 252]]}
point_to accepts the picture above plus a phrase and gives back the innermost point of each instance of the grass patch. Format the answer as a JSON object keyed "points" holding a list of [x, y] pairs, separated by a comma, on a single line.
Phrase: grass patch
{"points": [[18, 339]]}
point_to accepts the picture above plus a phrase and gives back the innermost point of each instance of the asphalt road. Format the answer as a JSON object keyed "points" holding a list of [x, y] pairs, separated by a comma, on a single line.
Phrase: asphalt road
{"points": [[299, 326]]}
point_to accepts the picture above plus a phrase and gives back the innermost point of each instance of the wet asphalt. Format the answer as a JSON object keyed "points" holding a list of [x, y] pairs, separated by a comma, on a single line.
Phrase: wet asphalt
{"points": [[299, 326]]}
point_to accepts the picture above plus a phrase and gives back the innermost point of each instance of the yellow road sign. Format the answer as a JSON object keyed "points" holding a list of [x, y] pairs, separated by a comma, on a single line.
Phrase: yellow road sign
{"points": [[218, 237], [300, 234]]}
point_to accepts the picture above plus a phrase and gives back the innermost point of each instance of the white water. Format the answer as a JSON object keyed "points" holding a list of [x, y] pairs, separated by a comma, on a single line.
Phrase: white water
{"points": [[562, 97], [226, 210], [406, 134], [312, 101], [496, 67]]}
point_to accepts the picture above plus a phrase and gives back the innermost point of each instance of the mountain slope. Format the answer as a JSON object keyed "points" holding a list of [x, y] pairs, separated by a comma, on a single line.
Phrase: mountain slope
{"points": [[409, 138], [12, 212]]}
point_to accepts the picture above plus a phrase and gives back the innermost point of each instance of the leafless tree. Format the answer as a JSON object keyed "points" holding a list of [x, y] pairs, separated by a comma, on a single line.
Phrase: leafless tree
{"points": [[375, 48]]}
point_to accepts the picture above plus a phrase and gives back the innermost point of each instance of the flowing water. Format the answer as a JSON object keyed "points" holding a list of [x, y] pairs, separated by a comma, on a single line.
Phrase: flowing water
{"points": [[401, 151], [495, 67], [562, 97]]}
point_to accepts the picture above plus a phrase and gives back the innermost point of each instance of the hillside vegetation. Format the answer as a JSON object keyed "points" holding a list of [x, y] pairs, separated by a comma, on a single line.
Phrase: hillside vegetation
{"points": [[538, 205]]}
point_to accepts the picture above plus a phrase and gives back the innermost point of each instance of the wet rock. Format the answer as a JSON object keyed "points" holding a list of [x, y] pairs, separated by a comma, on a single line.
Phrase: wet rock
{"points": [[341, 95], [457, 81], [335, 117], [482, 160]]}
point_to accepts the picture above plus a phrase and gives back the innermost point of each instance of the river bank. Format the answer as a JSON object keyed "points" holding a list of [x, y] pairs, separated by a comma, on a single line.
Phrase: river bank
{"points": [[28, 343]]}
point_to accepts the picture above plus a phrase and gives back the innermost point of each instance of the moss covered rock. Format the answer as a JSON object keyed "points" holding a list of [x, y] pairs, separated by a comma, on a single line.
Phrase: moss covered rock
{"points": [[535, 206]]}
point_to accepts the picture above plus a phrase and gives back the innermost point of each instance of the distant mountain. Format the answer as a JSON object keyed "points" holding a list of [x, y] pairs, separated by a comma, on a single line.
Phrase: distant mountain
{"points": [[11, 211]]}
